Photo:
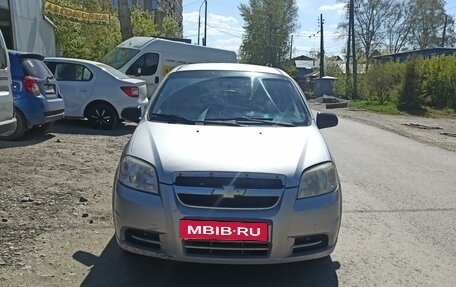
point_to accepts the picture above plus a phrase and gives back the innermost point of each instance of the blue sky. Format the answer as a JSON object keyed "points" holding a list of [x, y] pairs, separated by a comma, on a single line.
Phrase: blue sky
{"points": [[225, 30]]}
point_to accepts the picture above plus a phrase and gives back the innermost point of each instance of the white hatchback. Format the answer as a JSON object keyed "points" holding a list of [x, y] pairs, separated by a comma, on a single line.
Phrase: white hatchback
{"points": [[95, 91]]}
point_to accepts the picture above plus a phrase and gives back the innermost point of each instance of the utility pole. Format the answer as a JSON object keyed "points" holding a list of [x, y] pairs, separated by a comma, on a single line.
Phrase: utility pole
{"points": [[347, 63], [444, 30], [355, 67], [322, 49], [270, 41], [291, 47], [205, 23]]}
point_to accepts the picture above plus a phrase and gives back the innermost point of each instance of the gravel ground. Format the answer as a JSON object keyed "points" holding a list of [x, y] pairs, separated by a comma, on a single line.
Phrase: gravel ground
{"points": [[57, 185], [440, 132]]}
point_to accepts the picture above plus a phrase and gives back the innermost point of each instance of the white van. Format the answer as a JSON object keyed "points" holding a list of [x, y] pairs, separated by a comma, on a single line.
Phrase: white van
{"points": [[151, 59], [7, 119]]}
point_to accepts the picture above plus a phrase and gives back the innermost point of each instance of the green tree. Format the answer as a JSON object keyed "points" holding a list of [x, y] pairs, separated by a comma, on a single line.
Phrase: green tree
{"points": [[370, 17], [142, 23], [169, 27], [410, 90], [382, 81], [85, 40], [268, 25], [428, 22]]}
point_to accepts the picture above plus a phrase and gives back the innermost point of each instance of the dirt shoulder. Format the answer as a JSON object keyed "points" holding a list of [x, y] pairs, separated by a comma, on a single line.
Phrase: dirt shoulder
{"points": [[440, 132]]}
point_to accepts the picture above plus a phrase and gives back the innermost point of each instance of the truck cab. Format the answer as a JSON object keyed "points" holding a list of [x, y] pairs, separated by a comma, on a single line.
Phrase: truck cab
{"points": [[150, 59]]}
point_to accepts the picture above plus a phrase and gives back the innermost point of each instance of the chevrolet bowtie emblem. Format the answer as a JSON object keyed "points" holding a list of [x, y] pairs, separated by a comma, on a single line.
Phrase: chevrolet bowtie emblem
{"points": [[228, 191]]}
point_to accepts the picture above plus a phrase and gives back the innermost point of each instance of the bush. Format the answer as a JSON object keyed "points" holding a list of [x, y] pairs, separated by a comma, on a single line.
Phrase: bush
{"points": [[410, 89]]}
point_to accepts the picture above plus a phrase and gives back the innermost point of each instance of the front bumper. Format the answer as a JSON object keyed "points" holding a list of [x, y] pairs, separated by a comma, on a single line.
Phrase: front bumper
{"points": [[149, 225]]}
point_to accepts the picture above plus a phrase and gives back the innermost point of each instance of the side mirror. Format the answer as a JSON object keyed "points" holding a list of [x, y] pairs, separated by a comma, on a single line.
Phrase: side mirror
{"points": [[326, 120], [143, 105], [132, 114]]}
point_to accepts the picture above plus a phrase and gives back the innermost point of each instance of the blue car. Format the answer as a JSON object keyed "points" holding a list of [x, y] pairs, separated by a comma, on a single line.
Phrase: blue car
{"points": [[37, 99]]}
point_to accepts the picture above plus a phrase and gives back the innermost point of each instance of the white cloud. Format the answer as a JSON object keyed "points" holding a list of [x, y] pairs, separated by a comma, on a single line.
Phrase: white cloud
{"points": [[336, 7], [223, 32]]}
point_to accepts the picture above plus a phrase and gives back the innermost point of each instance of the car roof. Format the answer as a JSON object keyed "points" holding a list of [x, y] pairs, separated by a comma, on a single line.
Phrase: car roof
{"points": [[20, 54], [230, 67], [73, 60]]}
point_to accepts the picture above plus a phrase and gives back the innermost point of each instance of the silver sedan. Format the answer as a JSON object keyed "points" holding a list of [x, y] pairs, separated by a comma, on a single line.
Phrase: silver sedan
{"points": [[95, 91], [228, 166]]}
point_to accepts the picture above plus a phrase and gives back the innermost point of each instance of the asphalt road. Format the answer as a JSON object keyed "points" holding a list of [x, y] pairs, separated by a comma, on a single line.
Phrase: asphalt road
{"points": [[399, 215], [398, 229], [399, 225]]}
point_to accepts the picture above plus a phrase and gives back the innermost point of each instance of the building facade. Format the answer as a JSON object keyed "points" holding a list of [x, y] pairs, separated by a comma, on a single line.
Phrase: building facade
{"points": [[26, 28]]}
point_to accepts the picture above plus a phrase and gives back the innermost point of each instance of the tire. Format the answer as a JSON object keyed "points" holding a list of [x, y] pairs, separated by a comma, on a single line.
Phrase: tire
{"points": [[102, 117], [21, 127], [44, 128]]}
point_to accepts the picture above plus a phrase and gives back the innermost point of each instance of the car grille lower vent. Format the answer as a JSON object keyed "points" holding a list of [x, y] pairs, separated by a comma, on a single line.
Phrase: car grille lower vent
{"points": [[143, 238], [235, 249], [238, 182], [309, 243]]}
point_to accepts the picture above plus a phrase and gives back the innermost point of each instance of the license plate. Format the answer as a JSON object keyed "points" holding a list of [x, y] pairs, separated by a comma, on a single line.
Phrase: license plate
{"points": [[223, 230], [50, 89]]}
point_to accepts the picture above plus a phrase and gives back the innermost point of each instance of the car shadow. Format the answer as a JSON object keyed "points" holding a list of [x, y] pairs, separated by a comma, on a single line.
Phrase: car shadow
{"points": [[70, 126], [115, 267], [28, 139]]}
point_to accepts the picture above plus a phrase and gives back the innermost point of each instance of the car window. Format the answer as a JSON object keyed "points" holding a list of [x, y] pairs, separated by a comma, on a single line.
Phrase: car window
{"points": [[35, 68], [199, 96], [118, 57], [72, 72], [145, 65]]}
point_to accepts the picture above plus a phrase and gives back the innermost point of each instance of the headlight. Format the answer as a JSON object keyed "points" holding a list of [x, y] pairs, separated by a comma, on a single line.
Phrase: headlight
{"points": [[318, 180], [138, 174]]}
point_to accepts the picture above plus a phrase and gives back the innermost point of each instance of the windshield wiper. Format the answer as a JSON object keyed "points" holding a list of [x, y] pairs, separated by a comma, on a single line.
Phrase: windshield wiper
{"points": [[226, 122], [172, 119], [256, 120]]}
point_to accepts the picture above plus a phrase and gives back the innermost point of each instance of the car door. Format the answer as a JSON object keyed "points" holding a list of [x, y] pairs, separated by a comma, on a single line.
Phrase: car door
{"points": [[76, 82], [146, 67], [7, 120]]}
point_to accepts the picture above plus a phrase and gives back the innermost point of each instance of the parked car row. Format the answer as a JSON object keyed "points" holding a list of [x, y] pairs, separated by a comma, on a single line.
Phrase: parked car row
{"points": [[45, 90]]}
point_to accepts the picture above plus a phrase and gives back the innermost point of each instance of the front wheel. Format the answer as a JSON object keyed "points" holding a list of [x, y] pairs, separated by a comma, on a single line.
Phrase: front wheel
{"points": [[21, 127], [102, 117]]}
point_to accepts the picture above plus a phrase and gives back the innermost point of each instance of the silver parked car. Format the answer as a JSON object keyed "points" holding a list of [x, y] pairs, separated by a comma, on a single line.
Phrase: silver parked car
{"points": [[95, 91], [228, 166]]}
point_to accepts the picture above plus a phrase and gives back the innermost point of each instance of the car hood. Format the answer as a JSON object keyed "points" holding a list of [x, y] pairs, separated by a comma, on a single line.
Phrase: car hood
{"points": [[175, 148]]}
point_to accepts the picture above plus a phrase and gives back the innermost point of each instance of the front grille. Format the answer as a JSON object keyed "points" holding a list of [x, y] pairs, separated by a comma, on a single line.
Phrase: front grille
{"points": [[234, 249], [143, 238], [238, 182], [310, 243], [235, 190], [219, 201]]}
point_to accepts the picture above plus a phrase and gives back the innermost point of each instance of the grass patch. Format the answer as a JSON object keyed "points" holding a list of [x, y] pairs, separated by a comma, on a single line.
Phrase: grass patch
{"points": [[389, 108], [385, 108]]}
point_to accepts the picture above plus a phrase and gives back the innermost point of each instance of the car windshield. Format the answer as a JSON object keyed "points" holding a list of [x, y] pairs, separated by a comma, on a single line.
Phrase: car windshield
{"points": [[229, 98], [118, 57]]}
